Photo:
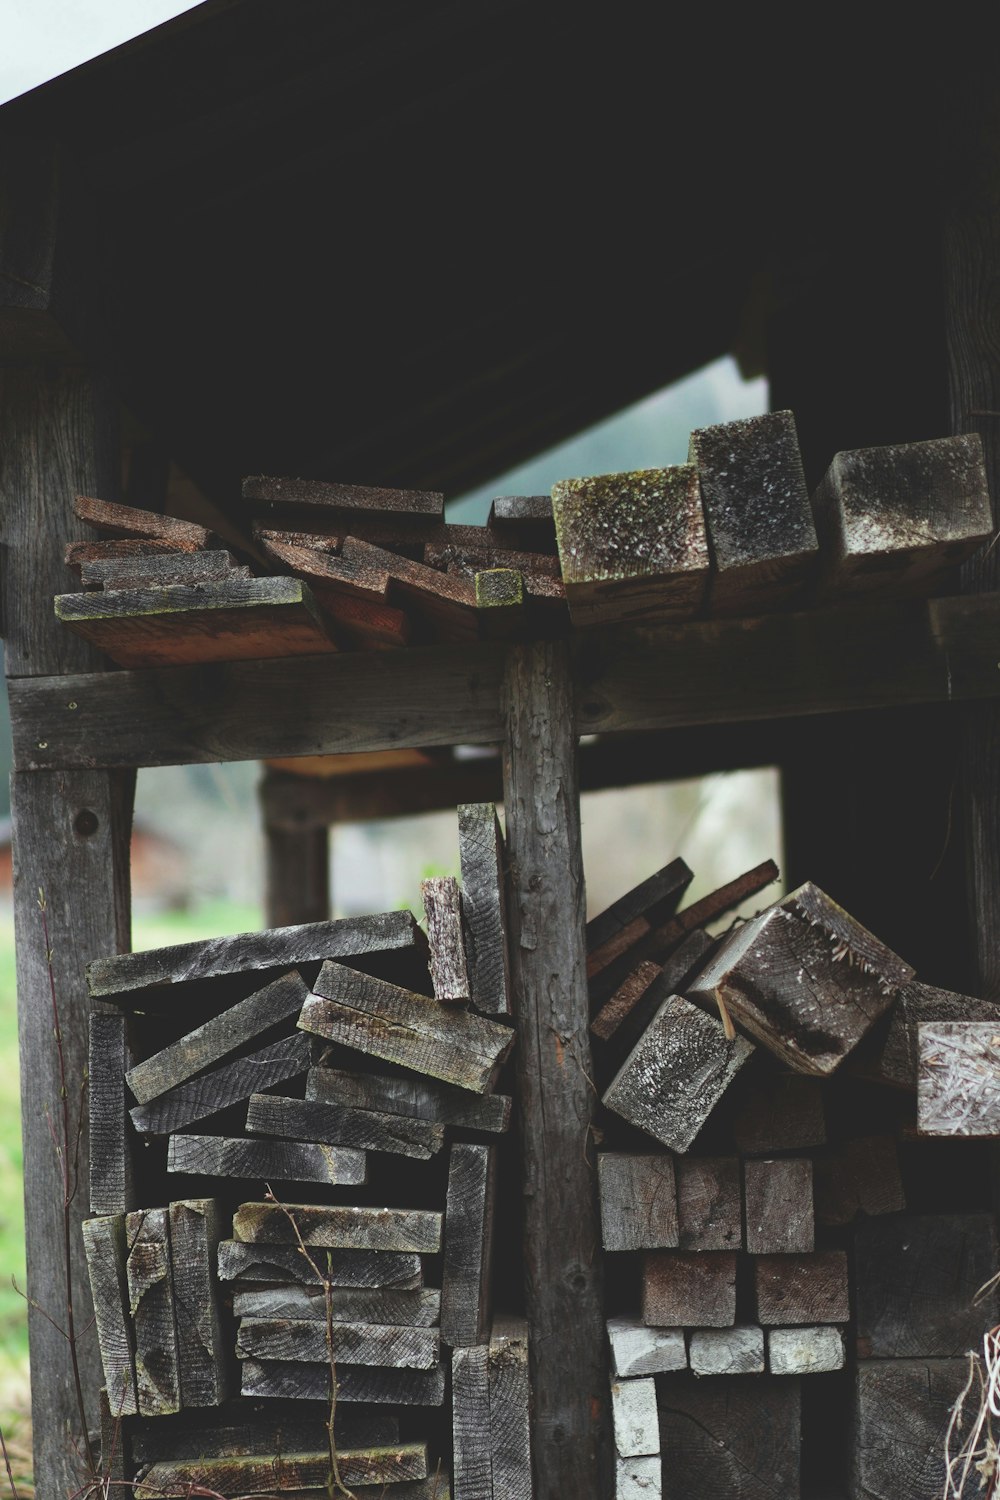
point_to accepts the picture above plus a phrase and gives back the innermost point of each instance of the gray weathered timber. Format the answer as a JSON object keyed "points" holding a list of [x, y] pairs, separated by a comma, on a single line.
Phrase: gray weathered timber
{"points": [[805, 979], [902, 1408], [801, 1288], [730, 1437], [779, 1206], [344, 1228], [638, 1350], [417, 1309], [216, 1038], [652, 901], [472, 1452], [71, 840], [757, 514], [917, 1278], [677, 1073], [343, 1126], [111, 1166], [915, 1005], [104, 1241], [111, 519], [626, 1016], [633, 1414], [341, 500], [859, 1176], [639, 1478], [720, 671], [709, 1204], [510, 1409], [442, 900], [804, 1351], [684, 1290], [958, 1089], [372, 1016], [468, 1244], [216, 1090], [570, 1421], [899, 519], [151, 1303], [266, 1160], [366, 1383], [638, 1201], [418, 1098], [251, 1264], [632, 546], [140, 572], [285, 1471], [728, 1351], [305, 1340], [484, 906], [783, 1112], [196, 1227], [248, 952]]}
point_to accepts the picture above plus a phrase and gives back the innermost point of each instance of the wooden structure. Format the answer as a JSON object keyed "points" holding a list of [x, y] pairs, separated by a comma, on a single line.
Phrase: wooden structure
{"points": [[166, 227]]}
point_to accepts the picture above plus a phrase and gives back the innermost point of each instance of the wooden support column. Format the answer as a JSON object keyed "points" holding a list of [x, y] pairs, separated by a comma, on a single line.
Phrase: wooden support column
{"points": [[71, 841], [569, 1366]]}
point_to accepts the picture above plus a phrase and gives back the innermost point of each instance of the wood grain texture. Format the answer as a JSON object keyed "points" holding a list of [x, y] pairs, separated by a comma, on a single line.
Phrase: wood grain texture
{"points": [[343, 1126], [113, 1444], [78, 554], [442, 900], [419, 1098], [352, 594], [250, 1263], [484, 906], [341, 499], [731, 1437], [143, 571], [472, 1452], [898, 1062], [623, 1020], [727, 1351], [779, 1206], [468, 1245], [958, 1089], [219, 1088], [709, 1203], [114, 520], [266, 1160], [510, 1409], [112, 1188], [104, 1242], [801, 1288], [299, 1382], [685, 1290], [343, 1228], [561, 1226], [151, 1303], [901, 1412], [196, 1227], [305, 1340], [420, 1308], [446, 604], [917, 1278], [638, 1201], [638, 1350], [804, 1351], [633, 1415], [283, 1472]]}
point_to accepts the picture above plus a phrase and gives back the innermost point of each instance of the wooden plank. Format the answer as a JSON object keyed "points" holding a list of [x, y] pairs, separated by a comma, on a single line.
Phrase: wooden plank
{"points": [[468, 1245], [653, 900], [902, 1408], [112, 1189], [859, 1176], [958, 1092], [555, 1101], [343, 1126], [265, 1160], [104, 1242], [403, 1309], [730, 1437], [510, 1409], [128, 521], [382, 1020], [341, 499], [783, 1112], [243, 1427], [196, 1227], [215, 1039], [286, 1471], [249, 1263], [344, 1228], [351, 592], [305, 1340], [801, 1288], [709, 1203], [916, 1281], [899, 519], [633, 989], [804, 1351], [916, 1004], [670, 1083], [805, 979], [246, 952], [639, 1478], [219, 1088], [711, 672], [151, 1303], [682, 1290], [638, 1201], [354, 1383], [419, 1098], [472, 1453], [443, 912], [632, 546], [241, 619], [727, 1351], [624, 1018], [779, 1206], [469, 550], [633, 1413], [484, 906], [79, 554], [757, 513], [638, 1350], [142, 571], [446, 604]]}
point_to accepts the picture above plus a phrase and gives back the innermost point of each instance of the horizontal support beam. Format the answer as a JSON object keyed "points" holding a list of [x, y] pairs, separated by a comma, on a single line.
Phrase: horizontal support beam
{"points": [[697, 673]]}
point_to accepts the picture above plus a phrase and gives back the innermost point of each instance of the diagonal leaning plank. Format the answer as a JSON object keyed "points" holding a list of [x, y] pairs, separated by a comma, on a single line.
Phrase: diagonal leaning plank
{"points": [[337, 1125], [209, 1093]]}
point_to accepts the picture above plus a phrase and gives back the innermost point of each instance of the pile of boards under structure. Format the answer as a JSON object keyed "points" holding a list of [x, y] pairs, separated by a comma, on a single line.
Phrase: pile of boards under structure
{"points": [[294, 1164], [328, 567], [796, 1238]]}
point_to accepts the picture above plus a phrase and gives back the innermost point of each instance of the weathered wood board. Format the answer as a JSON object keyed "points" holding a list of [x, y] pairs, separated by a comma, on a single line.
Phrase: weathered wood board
{"points": [[196, 1227], [282, 495], [114, 520], [372, 1016], [251, 1264], [472, 1452], [111, 1167], [264, 1476], [796, 1289], [916, 1005], [682, 1290], [355, 1383], [418, 1098], [916, 1279], [420, 1308], [445, 603], [638, 1350], [510, 1409], [468, 1244], [78, 554], [730, 1437], [242, 1427], [442, 900], [639, 1478], [672, 1080], [638, 1201], [779, 1206], [266, 1160], [352, 594], [484, 906], [140, 571], [105, 1246], [304, 1340], [151, 1304], [622, 1020], [218, 1089], [343, 1228], [343, 1126], [727, 1351], [859, 1176], [902, 1408], [783, 1112], [647, 905], [709, 1203], [804, 1351], [633, 1413], [958, 1086]]}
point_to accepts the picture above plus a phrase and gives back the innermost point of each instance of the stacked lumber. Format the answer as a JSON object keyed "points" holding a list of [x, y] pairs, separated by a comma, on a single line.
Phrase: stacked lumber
{"points": [[348, 1071], [732, 532], [766, 1092]]}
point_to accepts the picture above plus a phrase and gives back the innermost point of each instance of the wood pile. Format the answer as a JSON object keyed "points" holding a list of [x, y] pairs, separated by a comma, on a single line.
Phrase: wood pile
{"points": [[332, 567], [294, 1162]]}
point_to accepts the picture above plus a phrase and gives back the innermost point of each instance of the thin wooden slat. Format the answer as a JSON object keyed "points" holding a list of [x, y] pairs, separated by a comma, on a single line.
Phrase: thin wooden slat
{"points": [[285, 1471], [353, 594], [79, 554], [341, 499], [241, 1427], [138, 571], [104, 1242], [414, 1309], [345, 1228], [196, 1227], [653, 899], [114, 520], [419, 1098], [265, 1160], [305, 1340], [484, 906], [468, 1244], [250, 1263], [342, 1126], [510, 1409], [362, 1383], [446, 604], [219, 1088], [111, 1165]]}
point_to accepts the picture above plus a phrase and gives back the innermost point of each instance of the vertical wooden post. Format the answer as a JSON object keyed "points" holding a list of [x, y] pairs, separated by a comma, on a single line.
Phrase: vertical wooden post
{"points": [[569, 1371], [71, 841], [297, 869]]}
